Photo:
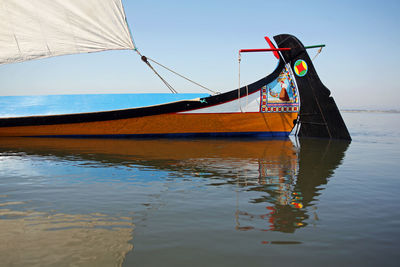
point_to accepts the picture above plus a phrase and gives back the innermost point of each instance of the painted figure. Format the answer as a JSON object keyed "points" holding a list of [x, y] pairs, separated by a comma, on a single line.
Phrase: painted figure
{"points": [[283, 96]]}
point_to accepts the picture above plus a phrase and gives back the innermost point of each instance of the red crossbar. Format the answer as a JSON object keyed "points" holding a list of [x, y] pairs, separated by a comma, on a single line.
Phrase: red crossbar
{"points": [[263, 50], [271, 45]]}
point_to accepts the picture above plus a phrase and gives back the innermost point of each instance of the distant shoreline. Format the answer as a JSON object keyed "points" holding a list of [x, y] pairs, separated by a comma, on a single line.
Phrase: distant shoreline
{"points": [[371, 110]]}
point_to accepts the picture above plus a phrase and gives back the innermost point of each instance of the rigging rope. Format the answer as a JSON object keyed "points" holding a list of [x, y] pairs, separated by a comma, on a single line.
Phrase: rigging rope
{"points": [[247, 98], [239, 99], [318, 52], [146, 60], [180, 75], [159, 76], [240, 104], [247, 89]]}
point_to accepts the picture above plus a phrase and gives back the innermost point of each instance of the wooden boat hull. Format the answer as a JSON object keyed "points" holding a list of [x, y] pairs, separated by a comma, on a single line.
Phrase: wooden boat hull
{"points": [[241, 112], [222, 124]]}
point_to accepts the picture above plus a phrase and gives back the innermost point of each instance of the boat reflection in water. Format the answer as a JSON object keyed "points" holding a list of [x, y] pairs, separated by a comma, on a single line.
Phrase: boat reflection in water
{"points": [[283, 178], [291, 183]]}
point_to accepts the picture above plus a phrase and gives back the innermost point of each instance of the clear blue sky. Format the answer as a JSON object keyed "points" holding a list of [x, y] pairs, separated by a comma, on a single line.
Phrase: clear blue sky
{"points": [[201, 39]]}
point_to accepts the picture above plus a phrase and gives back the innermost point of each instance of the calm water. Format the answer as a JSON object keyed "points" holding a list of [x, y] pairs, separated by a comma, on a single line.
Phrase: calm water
{"points": [[204, 202]]}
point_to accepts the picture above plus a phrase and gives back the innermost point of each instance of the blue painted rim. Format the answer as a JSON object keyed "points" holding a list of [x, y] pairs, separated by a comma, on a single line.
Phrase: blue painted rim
{"points": [[179, 135]]}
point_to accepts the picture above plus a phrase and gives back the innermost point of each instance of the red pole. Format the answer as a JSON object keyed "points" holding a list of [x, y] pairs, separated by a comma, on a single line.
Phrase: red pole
{"points": [[263, 50], [271, 45]]}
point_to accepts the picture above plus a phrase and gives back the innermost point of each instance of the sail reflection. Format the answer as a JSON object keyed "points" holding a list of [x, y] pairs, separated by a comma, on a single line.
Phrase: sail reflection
{"points": [[30, 238], [285, 178]]}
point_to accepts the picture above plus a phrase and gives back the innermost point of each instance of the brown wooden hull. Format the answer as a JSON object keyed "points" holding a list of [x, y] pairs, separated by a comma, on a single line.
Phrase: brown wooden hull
{"points": [[263, 124]]}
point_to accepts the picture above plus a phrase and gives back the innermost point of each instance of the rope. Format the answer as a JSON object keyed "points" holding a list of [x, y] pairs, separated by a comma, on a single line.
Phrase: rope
{"points": [[152, 60], [316, 100], [240, 104], [247, 97], [318, 52], [159, 76], [146, 60]]}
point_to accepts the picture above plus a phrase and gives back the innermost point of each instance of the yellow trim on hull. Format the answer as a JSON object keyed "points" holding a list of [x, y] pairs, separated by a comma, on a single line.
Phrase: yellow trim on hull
{"points": [[165, 124]]}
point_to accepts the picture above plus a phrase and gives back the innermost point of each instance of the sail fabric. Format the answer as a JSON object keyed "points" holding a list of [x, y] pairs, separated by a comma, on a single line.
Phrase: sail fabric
{"points": [[31, 29]]}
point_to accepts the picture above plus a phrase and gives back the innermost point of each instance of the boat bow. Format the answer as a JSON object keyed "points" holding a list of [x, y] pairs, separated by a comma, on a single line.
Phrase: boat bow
{"points": [[319, 115]]}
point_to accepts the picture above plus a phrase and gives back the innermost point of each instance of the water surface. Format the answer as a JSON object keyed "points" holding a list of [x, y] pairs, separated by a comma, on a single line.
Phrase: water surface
{"points": [[203, 202]]}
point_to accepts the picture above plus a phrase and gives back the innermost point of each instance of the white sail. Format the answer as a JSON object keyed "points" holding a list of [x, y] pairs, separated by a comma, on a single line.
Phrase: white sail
{"points": [[31, 29]]}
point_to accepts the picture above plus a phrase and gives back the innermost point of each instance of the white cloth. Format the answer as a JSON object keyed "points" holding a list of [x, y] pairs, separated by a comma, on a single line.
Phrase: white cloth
{"points": [[31, 29]]}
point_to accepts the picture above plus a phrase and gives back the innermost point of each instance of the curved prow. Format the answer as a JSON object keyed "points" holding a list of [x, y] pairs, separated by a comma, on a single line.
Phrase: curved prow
{"points": [[319, 115]]}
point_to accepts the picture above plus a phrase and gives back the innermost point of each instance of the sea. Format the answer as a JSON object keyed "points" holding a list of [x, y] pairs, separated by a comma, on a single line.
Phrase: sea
{"points": [[204, 202]]}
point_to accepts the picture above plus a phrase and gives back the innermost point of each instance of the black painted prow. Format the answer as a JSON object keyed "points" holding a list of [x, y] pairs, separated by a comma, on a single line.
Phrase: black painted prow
{"points": [[319, 116]]}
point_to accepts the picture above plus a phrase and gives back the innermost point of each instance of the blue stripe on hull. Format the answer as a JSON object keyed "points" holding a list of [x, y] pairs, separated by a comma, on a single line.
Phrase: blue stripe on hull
{"points": [[181, 135], [20, 106]]}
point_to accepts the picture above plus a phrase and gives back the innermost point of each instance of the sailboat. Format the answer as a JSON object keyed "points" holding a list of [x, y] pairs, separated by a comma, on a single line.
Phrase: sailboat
{"points": [[270, 107]]}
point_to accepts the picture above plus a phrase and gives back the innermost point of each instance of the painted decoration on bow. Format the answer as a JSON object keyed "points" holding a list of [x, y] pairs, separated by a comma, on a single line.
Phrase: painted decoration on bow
{"points": [[280, 95], [300, 68]]}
